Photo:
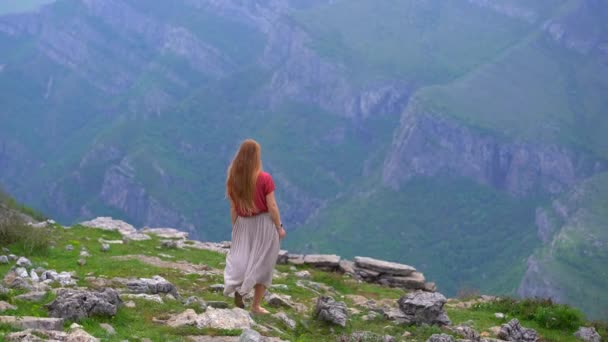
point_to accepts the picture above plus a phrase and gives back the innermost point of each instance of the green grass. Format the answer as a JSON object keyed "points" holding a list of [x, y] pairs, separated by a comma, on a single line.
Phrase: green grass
{"points": [[139, 321], [439, 226]]}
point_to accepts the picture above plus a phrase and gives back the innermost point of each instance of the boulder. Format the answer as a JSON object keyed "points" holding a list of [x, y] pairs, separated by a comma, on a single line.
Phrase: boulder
{"points": [[250, 335], [513, 331], [24, 262], [21, 272], [322, 260], [383, 266], [328, 310], [441, 338], [34, 276], [169, 244], [152, 298], [27, 322], [424, 308], [290, 323], [588, 334], [78, 304], [155, 285], [12, 257]]}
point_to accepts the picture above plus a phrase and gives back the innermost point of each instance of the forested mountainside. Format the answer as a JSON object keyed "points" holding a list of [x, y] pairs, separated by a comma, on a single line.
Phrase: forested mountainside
{"points": [[437, 133]]}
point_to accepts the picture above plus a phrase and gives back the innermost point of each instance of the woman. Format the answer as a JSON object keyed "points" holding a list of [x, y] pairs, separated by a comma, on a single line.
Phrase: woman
{"points": [[256, 227]]}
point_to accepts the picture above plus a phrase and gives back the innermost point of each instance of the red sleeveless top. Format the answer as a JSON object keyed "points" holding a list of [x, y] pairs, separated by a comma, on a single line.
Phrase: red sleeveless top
{"points": [[263, 186]]}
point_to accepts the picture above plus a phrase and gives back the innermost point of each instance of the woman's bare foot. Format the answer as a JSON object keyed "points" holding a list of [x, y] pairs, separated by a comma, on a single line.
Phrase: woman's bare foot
{"points": [[238, 300], [259, 310]]}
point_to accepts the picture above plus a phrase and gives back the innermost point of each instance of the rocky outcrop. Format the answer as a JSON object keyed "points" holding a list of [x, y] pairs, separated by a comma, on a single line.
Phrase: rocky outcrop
{"points": [[155, 285], [27, 322], [213, 318], [430, 145]]}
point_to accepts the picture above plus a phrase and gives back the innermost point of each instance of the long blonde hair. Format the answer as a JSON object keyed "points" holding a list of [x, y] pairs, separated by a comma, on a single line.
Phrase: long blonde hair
{"points": [[242, 175]]}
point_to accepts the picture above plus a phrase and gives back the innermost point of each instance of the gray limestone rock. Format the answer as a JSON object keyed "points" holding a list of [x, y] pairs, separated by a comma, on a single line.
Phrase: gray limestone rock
{"points": [[3, 260], [513, 331], [588, 334], [440, 338], [327, 309], [155, 285], [78, 304], [290, 323], [424, 308]]}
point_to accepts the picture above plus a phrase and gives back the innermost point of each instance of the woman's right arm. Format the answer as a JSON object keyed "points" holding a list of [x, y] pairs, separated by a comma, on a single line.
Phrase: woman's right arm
{"points": [[233, 214], [273, 209]]}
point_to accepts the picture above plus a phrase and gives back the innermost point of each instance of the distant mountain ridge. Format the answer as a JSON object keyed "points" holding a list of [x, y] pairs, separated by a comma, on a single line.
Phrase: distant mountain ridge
{"points": [[376, 119]]}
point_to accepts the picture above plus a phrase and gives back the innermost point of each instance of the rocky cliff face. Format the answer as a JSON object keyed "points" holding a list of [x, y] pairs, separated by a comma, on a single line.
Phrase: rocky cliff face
{"points": [[431, 145]]}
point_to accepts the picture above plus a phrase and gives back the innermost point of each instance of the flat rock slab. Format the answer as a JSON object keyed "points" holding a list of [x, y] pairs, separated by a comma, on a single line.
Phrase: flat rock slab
{"points": [[154, 285], [6, 306], [322, 260], [34, 296], [415, 281], [384, 266], [38, 323], [183, 266]]}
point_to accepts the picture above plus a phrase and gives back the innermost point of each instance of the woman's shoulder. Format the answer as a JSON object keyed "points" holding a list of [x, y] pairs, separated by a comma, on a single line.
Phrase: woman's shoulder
{"points": [[264, 175]]}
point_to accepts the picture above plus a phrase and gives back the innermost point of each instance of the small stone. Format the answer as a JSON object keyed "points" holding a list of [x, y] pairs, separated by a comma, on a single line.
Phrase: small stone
{"points": [[441, 338], [170, 297], [513, 331], [303, 274], [290, 323], [21, 272], [588, 334], [108, 328], [250, 335], [217, 288], [281, 287], [69, 248], [24, 262], [130, 304], [12, 257], [499, 315], [34, 276], [85, 254], [82, 262], [406, 334], [282, 257], [276, 301], [293, 268], [3, 259], [75, 326], [170, 244], [105, 247]]}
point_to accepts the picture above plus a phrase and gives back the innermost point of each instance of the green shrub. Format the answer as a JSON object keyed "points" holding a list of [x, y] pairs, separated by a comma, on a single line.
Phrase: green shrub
{"points": [[27, 239], [542, 311]]}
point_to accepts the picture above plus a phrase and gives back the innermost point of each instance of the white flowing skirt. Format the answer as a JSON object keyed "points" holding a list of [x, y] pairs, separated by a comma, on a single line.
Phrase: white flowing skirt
{"points": [[253, 254]]}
